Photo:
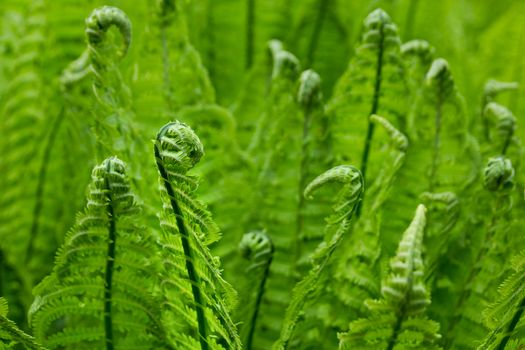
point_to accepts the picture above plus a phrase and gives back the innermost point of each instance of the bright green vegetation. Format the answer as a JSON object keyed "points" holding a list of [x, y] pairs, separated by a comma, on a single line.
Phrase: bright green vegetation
{"points": [[265, 174]]}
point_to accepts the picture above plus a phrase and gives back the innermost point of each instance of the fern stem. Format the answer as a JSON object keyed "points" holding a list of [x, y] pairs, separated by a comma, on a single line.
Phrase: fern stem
{"points": [[165, 60], [318, 26], [250, 32], [512, 325], [190, 268], [411, 16], [258, 300], [110, 262], [39, 198], [437, 141], [375, 106]]}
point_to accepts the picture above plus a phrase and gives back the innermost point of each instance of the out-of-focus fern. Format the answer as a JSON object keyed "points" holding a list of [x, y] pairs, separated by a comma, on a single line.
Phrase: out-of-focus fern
{"points": [[100, 293], [197, 301], [339, 224], [397, 320], [258, 248], [11, 335]]}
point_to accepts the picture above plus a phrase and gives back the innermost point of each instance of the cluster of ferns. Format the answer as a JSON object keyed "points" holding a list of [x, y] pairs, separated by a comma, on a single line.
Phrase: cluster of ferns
{"points": [[384, 217]]}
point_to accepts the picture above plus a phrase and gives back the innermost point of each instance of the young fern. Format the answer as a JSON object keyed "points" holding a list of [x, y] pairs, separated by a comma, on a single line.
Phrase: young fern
{"points": [[504, 316], [397, 320], [105, 271], [505, 123], [258, 248], [197, 300], [345, 208], [486, 265], [377, 60]]}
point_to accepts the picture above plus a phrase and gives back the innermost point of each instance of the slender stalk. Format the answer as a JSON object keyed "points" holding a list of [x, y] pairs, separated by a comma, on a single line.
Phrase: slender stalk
{"points": [[190, 268], [318, 26], [108, 326], [375, 106], [39, 198], [250, 32], [410, 19], [258, 300], [512, 325], [437, 141]]}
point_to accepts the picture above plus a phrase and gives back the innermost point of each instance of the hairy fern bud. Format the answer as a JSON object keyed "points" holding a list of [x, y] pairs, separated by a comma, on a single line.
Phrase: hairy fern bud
{"points": [[439, 78], [498, 174], [256, 246], [309, 92]]}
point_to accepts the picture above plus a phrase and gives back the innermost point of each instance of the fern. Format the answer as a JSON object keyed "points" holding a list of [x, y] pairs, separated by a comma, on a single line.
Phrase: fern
{"points": [[197, 299], [10, 334], [504, 316], [104, 272], [258, 248], [397, 321], [345, 208]]}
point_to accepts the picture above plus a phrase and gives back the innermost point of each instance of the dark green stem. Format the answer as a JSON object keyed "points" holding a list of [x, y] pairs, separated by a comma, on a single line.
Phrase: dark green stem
{"points": [[185, 240], [318, 26], [110, 262], [375, 106], [39, 198], [399, 322], [250, 33], [512, 325], [258, 300]]}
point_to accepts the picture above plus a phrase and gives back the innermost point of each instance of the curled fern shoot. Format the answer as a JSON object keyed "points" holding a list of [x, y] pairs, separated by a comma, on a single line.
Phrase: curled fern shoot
{"points": [[104, 272], [491, 90], [192, 279], [505, 124], [397, 320], [258, 248], [345, 207]]}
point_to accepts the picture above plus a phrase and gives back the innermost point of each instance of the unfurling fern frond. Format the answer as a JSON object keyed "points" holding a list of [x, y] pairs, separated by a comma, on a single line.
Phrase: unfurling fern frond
{"points": [[258, 248], [99, 295], [491, 90], [371, 85], [197, 301], [504, 316], [505, 123], [11, 335], [348, 200], [398, 320], [487, 259]]}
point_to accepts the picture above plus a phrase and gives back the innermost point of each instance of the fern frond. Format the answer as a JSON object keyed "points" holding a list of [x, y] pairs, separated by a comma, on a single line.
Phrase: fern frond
{"points": [[11, 335], [504, 316], [258, 248], [104, 272], [486, 268], [345, 208], [398, 320], [197, 300], [374, 78]]}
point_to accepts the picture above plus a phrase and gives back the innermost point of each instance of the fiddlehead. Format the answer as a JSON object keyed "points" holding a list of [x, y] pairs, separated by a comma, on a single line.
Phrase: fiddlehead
{"points": [[191, 274], [491, 90], [344, 209], [505, 123]]}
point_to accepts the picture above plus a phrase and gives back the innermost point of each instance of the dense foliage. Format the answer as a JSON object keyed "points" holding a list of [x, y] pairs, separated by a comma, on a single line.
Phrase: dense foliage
{"points": [[265, 174]]}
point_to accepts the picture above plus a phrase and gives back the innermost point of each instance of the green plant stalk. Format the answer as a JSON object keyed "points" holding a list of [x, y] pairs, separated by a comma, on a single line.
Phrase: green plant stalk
{"points": [[190, 268], [39, 198], [110, 262], [258, 300], [375, 106], [250, 32], [318, 27], [437, 141]]}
